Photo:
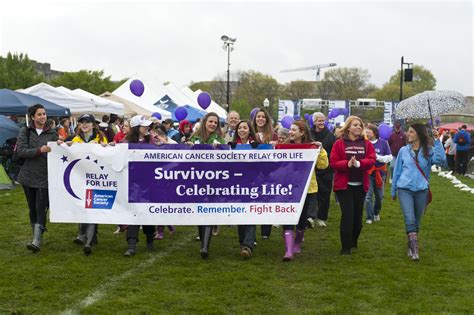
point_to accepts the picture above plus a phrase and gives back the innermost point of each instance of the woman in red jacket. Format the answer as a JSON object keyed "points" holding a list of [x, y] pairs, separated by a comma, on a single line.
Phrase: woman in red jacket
{"points": [[352, 157]]}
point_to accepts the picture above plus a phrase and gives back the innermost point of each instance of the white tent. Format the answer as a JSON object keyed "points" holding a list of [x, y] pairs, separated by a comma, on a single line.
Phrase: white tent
{"points": [[130, 108], [146, 101], [78, 104], [214, 107]]}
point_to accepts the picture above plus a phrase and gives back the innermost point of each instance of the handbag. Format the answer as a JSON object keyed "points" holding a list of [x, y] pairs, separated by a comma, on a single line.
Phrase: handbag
{"points": [[429, 198]]}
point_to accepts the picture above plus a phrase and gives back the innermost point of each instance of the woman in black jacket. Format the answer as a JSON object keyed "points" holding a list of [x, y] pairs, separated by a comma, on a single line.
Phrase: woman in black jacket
{"points": [[32, 147]]}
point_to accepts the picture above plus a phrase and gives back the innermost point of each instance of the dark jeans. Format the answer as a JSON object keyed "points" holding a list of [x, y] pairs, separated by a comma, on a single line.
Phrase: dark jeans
{"points": [[451, 163], [266, 230], [351, 201], [310, 201], [38, 201], [132, 231], [247, 235], [324, 193], [461, 161]]}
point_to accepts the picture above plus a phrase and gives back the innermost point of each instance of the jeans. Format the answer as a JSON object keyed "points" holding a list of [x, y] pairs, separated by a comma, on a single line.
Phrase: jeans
{"points": [[462, 159], [247, 234], [371, 208], [38, 202], [413, 205]]}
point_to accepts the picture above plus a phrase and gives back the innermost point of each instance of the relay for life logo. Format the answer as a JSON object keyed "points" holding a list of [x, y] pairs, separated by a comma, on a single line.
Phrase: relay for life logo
{"points": [[96, 187]]}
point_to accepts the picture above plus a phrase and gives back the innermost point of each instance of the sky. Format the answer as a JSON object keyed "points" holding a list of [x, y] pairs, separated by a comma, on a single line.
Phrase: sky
{"points": [[180, 41]]}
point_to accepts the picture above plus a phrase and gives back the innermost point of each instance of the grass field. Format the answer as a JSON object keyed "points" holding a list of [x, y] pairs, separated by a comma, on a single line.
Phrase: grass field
{"points": [[378, 278]]}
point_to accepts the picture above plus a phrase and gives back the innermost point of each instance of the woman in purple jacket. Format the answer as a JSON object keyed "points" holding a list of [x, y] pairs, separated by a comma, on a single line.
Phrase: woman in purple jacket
{"points": [[378, 173]]}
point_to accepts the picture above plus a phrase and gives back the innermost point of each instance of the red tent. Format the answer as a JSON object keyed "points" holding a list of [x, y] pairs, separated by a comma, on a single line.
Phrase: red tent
{"points": [[455, 126]]}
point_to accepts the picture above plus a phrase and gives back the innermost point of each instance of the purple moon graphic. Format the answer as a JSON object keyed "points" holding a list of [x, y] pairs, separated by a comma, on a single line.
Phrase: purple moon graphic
{"points": [[66, 178]]}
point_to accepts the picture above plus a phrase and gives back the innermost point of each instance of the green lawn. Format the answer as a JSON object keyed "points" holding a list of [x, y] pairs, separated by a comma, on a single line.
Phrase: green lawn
{"points": [[378, 278]]}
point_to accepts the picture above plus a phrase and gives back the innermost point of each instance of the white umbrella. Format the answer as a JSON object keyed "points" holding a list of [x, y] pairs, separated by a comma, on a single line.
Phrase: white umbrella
{"points": [[429, 104]]}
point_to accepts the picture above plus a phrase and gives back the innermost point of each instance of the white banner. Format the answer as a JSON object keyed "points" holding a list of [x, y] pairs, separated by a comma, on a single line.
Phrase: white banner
{"points": [[145, 184]]}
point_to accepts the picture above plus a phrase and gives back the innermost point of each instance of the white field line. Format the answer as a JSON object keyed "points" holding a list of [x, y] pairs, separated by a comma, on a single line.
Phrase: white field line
{"points": [[100, 292]]}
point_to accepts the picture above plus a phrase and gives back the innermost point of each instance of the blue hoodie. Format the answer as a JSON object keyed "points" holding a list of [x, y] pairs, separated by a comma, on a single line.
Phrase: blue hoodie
{"points": [[467, 138], [406, 174]]}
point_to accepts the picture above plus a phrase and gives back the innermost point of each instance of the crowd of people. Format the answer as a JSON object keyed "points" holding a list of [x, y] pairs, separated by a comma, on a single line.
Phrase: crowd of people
{"points": [[354, 162]]}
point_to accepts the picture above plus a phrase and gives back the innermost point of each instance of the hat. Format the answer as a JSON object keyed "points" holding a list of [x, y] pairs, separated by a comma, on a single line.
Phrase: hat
{"points": [[86, 117], [140, 120]]}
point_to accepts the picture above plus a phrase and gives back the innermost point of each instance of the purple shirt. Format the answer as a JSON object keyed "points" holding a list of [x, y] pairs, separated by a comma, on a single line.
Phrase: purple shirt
{"points": [[381, 148]]}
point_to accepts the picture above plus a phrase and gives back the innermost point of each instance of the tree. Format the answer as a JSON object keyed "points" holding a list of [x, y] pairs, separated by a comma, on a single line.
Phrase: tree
{"points": [[253, 88], [423, 80], [299, 89], [345, 83], [17, 71], [91, 81]]}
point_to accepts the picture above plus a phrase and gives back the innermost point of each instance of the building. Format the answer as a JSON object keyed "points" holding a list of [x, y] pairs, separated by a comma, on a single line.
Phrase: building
{"points": [[45, 69]]}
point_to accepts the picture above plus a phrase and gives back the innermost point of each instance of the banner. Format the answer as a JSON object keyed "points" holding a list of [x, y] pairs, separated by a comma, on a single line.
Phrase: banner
{"points": [[177, 184]]}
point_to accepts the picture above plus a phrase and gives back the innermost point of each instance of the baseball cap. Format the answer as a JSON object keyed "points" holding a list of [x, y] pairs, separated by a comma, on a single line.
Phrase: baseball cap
{"points": [[140, 120], [87, 118]]}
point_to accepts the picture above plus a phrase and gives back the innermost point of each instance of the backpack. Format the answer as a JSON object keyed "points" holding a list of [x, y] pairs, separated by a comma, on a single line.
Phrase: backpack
{"points": [[461, 139], [15, 158]]}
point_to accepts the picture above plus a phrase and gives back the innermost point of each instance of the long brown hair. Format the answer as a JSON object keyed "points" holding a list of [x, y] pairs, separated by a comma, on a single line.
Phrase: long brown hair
{"points": [[423, 138], [344, 131], [202, 131], [267, 128], [252, 136], [306, 138]]}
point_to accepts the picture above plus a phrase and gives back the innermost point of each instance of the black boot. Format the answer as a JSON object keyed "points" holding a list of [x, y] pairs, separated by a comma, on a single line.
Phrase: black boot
{"points": [[149, 242], [132, 246], [205, 240]]}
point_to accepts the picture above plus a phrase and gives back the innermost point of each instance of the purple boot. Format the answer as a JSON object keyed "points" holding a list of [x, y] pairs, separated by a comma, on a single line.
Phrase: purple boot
{"points": [[289, 241], [298, 240]]}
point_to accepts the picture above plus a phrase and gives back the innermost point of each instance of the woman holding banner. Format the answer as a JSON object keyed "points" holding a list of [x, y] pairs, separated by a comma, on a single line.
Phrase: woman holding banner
{"points": [[247, 233], [352, 157], [299, 133], [139, 133], [208, 133], [262, 125], [32, 147], [88, 132]]}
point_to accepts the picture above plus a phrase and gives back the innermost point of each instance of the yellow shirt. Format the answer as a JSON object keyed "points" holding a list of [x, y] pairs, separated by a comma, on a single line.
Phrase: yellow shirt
{"points": [[78, 139], [321, 163]]}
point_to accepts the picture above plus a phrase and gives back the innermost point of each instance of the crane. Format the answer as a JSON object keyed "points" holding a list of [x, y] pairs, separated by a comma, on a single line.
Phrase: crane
{"points": [[315, 67]]}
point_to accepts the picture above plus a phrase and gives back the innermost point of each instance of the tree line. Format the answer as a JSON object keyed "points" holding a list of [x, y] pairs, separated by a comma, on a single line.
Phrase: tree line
{"points": [[248, 89]]}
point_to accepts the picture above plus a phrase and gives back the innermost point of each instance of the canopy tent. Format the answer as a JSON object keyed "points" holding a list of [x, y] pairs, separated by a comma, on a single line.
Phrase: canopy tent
{"points": [[78, 104], [168, 104], [456, 126], [130, 109], [17, 103], [146, 101], [8, 129], [5, 182], [214, 107]]}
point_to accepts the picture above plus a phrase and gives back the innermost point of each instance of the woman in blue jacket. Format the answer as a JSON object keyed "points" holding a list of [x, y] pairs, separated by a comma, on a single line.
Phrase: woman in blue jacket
{"points": [[409, 181]]}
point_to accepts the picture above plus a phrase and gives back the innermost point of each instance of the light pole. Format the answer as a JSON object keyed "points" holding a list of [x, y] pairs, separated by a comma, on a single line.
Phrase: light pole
{"points": [[229, 46], [266, 105], [408, 76]]}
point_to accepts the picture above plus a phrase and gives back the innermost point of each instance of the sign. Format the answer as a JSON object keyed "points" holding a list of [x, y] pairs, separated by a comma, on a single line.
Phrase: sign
{"points": [[177, 184]]}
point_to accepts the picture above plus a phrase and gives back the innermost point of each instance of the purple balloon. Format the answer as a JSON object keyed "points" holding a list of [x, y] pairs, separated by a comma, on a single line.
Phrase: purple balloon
{"points": [[297, 117], [437, 120], [180, 113], [326, 123], [156, 115], [287, 121], [254, 112], [345, 111], [330, 127], [204, 100], [384, 131], [311, 122], [137, 87], [306, 116]]}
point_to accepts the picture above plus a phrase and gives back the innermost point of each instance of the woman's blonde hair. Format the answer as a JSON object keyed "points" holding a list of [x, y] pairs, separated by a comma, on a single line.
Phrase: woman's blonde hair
{"points": [[344, 131]]}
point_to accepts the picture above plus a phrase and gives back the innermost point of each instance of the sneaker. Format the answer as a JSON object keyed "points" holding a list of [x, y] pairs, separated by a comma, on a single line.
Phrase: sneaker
{"points": [[322, 223], [245, 252], [368, 221], [117, 231], [311, 223], [197, 238], [159, 235], [265, 237], [215, 230], [377, 217]]}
